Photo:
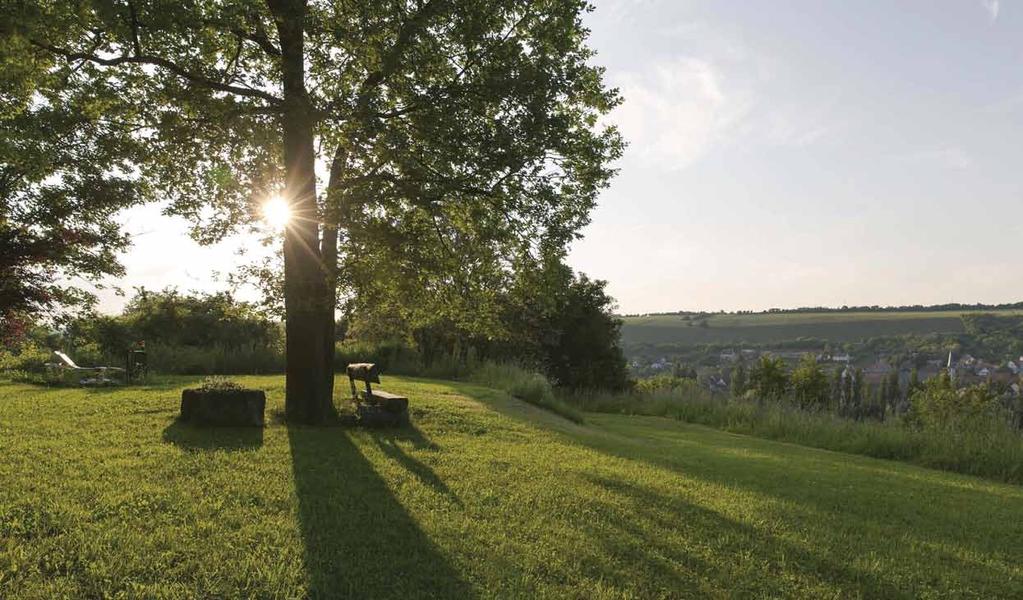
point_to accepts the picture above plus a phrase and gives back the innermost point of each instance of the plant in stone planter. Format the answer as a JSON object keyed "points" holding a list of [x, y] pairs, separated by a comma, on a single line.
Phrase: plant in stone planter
{"points": [[218, 383], [220, 401]]}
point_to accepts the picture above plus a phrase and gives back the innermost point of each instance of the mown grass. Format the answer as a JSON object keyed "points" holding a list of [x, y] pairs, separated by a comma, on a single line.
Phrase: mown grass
{"points": [[104, 494], [779, 327]]}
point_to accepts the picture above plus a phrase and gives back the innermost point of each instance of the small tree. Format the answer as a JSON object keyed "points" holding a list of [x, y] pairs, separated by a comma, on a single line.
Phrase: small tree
{"points": [[740, 379], [810, 385], [893, 392], [914, 382], [586, 353], [852, 393], [768, 379], [858, 388], [941, 405], [837, 388]]}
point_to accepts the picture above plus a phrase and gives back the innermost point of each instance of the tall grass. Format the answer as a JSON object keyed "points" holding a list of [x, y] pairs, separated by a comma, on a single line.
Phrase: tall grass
{"points": [[526, 385], [192, 360], [994, 450]]}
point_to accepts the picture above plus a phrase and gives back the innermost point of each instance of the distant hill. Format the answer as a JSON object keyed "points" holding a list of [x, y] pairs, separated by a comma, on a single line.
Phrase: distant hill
{"points": [[778, 326]]}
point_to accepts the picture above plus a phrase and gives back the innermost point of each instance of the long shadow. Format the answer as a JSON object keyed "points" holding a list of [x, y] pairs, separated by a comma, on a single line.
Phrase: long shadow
{"points": [[734, 573], [841, 493], [823, 493], [360, 542], [189, 437], [390, 442]]}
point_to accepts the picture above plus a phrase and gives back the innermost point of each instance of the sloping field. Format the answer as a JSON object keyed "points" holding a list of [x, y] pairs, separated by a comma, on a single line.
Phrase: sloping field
{"points": [[777, 327], [104, 494]]}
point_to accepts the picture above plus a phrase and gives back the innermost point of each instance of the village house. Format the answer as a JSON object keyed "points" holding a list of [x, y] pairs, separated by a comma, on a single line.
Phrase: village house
{"points": [[874, 374]]}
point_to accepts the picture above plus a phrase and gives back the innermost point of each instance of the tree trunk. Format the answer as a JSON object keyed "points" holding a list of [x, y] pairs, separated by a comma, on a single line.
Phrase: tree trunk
{"points": [[308, 396], [328, 250]]}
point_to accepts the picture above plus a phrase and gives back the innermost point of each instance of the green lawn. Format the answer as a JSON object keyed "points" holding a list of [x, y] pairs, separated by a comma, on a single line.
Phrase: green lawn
{"points": [[778, 327], [102, 493]]}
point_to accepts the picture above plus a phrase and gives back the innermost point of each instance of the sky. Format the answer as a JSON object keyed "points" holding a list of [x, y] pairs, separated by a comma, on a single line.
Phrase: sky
{"points": [[781, 154]]}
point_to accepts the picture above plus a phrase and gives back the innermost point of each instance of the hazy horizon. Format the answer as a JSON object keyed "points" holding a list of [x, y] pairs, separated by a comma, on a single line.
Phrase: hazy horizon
{"points": [[809, 154]]}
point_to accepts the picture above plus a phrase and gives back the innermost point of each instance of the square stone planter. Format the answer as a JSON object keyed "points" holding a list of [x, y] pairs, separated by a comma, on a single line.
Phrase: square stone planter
{"points": [[239, 408]]}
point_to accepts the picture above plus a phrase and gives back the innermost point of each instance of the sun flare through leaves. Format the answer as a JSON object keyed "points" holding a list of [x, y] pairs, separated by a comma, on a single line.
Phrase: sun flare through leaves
{"points": [[276, 213]]}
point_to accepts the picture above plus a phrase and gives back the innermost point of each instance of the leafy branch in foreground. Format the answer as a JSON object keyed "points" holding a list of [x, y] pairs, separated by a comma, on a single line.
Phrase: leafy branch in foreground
{"points": [[67, 166]]}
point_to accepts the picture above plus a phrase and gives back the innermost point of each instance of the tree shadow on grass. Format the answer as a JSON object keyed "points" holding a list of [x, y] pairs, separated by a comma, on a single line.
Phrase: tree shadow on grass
{"points": [[158, 383], [360, 542], [192, 438], [812, 488], [391, 442], [747, 562]]}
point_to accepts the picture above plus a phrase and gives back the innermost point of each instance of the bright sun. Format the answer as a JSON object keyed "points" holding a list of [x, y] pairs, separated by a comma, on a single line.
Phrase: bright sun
{"points": [[276, 213]]}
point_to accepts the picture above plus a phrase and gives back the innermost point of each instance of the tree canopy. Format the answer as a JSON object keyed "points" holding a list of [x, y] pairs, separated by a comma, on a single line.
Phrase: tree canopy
{"points": [[453, 136]]}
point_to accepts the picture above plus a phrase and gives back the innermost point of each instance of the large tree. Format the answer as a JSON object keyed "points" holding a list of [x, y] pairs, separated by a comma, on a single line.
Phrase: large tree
{"points": [[449, 132], [66, 159]]}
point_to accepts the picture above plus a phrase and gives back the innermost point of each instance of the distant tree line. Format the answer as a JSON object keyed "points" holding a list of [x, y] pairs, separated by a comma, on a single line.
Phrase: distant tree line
{"points": [[994, 337], [948, 307]]}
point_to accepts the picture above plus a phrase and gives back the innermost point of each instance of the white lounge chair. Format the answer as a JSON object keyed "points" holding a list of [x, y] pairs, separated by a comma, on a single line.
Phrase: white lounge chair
{"points": [[99, 374]]}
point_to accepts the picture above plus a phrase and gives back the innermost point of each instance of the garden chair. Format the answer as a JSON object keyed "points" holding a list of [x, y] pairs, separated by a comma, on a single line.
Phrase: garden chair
{"points": [[99, 374]]}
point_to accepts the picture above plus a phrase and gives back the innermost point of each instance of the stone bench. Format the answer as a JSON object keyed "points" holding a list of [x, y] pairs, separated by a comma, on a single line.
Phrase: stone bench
{"points": [[375, 408]]}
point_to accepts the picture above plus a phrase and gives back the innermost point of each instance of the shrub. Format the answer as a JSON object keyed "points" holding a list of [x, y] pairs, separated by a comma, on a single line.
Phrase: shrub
{"points": [[664, 383], [392, 357], [193, 360], [810, 386], [940, 406], [28, 358], [768, 379], [526, 385]]}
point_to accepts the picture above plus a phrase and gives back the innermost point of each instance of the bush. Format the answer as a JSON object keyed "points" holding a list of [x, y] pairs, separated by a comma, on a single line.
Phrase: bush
{"points": [[217, 360], [28, 358], [940, 406], [392, 357], [663, 382], [810, 386], [768, 379], [524, 385], [587, 350]]}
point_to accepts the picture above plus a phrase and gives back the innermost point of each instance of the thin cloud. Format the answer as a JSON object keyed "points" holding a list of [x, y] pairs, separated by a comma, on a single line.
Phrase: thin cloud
{"points": [[992, 7], [677, 110], [1005, 105], [798, 126], [951, 157]]}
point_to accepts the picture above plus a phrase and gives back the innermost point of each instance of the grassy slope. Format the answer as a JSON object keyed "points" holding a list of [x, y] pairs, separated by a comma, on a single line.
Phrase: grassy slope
{"points": [[775, 327], [487, 496]]}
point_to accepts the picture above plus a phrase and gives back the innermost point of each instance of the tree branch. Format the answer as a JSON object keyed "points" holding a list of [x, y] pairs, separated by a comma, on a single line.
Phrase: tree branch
{"points": [[159, 61], [260, 39], [134, 28]]}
